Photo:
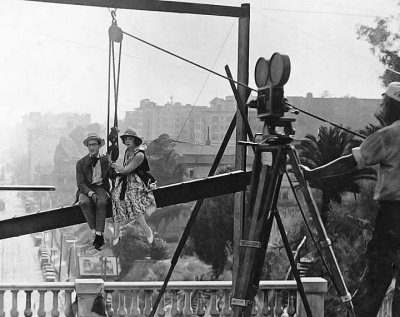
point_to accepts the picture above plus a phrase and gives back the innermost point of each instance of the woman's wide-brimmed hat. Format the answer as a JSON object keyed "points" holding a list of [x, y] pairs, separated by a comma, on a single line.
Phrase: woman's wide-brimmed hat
{"points": [[94, 136], [132, 133]]}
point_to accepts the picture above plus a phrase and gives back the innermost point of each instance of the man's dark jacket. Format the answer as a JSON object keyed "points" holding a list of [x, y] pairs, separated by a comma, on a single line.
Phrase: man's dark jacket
{"points": [[84, 173]]}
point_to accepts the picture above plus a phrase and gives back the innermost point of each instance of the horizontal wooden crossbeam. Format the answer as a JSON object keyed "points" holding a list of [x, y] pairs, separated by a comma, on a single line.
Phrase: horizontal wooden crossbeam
{"points": [[27, 188], [162, 6], [165, 196]]}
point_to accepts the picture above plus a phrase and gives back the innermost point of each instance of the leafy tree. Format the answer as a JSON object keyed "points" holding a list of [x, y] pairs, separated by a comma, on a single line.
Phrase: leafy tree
{"points": [[208, 240], [326, 94], [159, 249], [164, 161], [134, 246], [328, 145], [385, 44], [80, 133]]}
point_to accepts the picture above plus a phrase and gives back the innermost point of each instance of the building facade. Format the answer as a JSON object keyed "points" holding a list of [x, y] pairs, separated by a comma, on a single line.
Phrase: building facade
{"points": [[201, 124], [43, 133]]}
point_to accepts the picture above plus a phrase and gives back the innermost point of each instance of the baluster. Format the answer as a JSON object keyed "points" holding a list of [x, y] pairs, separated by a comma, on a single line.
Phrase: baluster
{"points": [[187, 306], [135, 310], [14, 306], [122, 311], [68, 302], [109, 303], [226, 309], [161, 307], [28, 307], [278, 309], [174, 304], [54, 310], [41, 312], [2, 311], [200, 311], [291, 310], [213, 306], [266, 310], [147, 302], [254, 309]]}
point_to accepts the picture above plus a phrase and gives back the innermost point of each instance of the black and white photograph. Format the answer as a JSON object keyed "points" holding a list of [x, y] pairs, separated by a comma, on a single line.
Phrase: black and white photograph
{"points": [[167, 158]]}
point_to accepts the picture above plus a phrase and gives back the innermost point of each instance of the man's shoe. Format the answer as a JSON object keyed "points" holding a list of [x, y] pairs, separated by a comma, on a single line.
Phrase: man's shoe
{"points": [[98, 242]]}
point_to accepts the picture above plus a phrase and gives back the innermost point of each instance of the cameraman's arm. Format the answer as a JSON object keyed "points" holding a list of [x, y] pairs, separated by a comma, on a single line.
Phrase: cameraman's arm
{"points": [[341, 165]]}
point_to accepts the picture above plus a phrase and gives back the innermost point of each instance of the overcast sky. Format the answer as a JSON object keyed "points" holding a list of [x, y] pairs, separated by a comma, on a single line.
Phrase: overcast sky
{"points": [[54, 57]]}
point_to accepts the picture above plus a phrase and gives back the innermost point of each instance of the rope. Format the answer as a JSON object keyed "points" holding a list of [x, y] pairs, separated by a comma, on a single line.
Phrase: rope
{"points": [[238, 83], [205, 82], [108, 95], [327, 121], [185, 59], [392, 70]]}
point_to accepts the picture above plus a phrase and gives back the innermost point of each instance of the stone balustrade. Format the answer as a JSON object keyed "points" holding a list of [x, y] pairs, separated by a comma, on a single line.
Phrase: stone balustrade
{"points": [[135, 299]]}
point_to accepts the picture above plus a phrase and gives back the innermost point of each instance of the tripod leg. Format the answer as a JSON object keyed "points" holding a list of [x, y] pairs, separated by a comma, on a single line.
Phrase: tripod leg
{"points": [[325, 242], [296, 273], [253, 252]]}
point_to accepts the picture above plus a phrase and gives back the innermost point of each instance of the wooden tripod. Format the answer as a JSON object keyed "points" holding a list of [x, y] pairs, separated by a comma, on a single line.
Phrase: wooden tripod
{"points": [[265, 185]]}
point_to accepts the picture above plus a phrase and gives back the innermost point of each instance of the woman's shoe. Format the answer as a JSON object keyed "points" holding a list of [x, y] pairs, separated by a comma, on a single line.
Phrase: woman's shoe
{"points": [[150, 238], [116, 241]]}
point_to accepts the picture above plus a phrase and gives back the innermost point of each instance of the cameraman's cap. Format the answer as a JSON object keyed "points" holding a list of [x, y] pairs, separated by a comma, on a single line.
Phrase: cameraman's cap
{"points": [[393, 90]]}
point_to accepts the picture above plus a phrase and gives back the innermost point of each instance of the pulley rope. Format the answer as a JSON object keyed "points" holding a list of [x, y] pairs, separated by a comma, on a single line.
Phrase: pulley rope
{"points": [[116, 81], [205, 82], [239, 83], [115, 35], [108, 95]]}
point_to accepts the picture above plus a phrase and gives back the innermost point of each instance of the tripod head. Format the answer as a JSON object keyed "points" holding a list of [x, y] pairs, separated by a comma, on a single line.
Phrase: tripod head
{"points": [[270, 77]]}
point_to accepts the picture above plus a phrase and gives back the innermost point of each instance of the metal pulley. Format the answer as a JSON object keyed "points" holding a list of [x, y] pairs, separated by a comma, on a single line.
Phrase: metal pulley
{"points": [[114, 31]]}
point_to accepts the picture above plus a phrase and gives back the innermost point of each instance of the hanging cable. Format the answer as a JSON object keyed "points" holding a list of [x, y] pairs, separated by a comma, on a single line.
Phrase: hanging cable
{"points": [[392, 70], [115, 36], [208, 76], [186, 60], [327, 121], [241, 84], [204, 84]]}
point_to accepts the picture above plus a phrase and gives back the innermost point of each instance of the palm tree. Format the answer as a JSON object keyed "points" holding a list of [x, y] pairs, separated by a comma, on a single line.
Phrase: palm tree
{"points": [[328, 145]]}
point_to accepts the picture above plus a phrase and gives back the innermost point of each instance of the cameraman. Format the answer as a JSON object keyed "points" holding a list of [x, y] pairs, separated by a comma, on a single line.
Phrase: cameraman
{"points": [[383, 252]]}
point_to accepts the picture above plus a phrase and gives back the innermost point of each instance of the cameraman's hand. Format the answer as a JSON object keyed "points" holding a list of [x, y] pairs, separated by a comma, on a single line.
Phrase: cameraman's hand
{"points": [[307, 172], [94, 198]]}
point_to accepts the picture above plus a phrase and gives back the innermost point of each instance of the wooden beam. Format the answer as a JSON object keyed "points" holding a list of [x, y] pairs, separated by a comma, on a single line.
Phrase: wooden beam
{"points": [[240, 158], [165, 196], [157, 5], [202, 188], [27, 188]]}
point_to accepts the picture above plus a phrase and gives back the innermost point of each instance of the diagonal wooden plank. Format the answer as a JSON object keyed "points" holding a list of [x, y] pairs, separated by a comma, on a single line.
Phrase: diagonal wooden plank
{"points": [[165, 196], [161, 6]]}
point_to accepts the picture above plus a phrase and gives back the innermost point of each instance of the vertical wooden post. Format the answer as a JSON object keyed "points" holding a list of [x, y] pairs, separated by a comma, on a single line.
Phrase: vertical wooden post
{"points": [[315, 289], [240, 157], [86, 292]]}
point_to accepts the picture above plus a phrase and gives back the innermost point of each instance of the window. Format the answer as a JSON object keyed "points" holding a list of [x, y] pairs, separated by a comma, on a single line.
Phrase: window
{"points": [[191, 172]]}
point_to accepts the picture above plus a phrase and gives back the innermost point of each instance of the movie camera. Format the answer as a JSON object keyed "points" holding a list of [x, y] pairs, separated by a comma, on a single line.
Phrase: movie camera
{"points": [[270, 77]]}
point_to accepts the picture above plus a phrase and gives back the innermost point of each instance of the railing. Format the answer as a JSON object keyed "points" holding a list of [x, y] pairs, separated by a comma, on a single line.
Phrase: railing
{"points": [[41, 299], [134, 299]]}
